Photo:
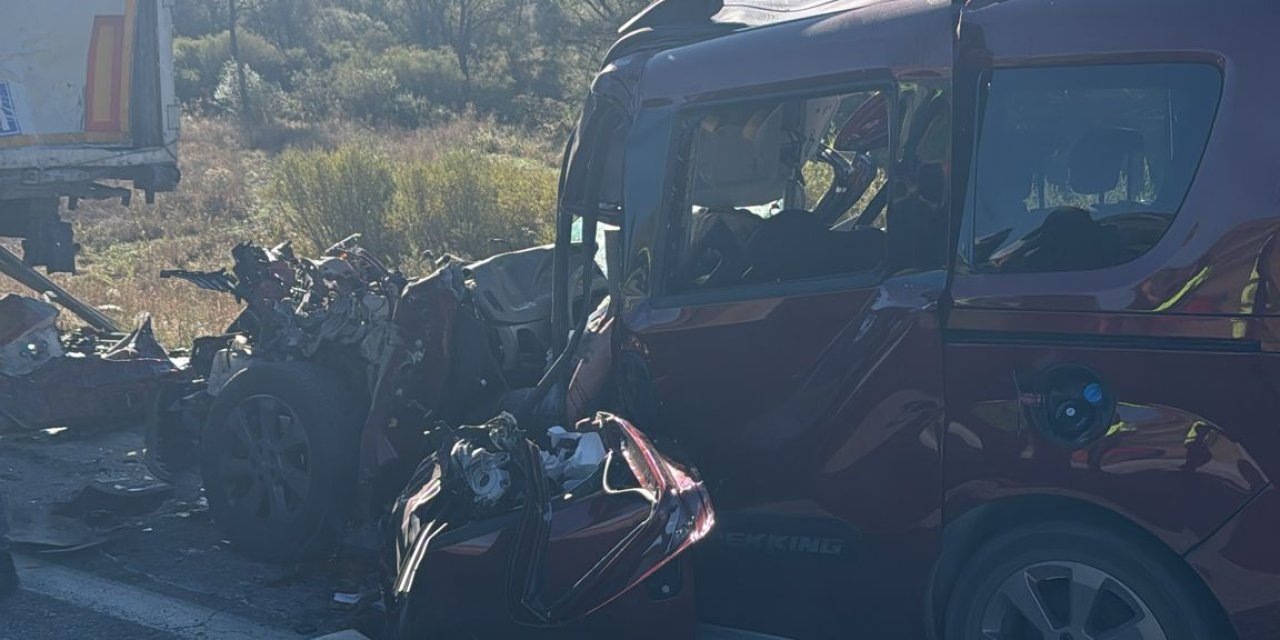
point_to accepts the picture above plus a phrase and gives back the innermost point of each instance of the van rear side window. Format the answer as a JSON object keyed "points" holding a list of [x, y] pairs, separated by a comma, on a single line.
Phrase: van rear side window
{"points": [[1083, 168]]}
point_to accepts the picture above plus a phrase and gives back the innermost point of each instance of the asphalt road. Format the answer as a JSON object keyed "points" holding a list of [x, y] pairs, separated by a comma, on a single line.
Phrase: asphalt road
{"points": [[162, 575], [27, 616]]}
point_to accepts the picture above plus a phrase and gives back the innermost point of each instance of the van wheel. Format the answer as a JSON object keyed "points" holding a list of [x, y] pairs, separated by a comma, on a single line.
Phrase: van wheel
{"points": [[278, 460], [1072, 581]]}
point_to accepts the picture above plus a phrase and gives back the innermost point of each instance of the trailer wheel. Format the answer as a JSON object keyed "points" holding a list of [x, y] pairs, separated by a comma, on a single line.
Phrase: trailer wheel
{"points": [[1076, 581], [279, 460]]}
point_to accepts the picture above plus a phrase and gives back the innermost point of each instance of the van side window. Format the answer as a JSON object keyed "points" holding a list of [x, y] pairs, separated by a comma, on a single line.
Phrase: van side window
{"points": [[1083, 168], [780, 191]]}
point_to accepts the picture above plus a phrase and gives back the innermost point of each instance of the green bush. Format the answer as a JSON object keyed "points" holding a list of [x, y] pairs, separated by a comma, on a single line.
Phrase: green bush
{"points": [[492, 86], [487, 135], [193, 19], [546, 117], [458, 201], [315, 95], [339, 26], [266, 99], [529, 62], [404, 86], [373, 94], [327, 195], [431, 74], [463, 200], [364, 92], [290, 24], [199, 62]]}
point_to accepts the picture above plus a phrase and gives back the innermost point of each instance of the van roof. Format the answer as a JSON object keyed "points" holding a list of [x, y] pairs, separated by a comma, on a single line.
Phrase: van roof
{"points": [[755, 13], [844, 35], [742, 13], [799, 42]]}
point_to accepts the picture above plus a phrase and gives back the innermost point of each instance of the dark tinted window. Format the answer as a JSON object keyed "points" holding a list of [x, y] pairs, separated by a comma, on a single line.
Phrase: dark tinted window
{"points": [[1084, 168]]}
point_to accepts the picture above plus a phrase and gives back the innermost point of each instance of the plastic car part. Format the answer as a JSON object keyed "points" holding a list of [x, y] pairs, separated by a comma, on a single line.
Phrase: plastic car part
{"points": [[485, 472], [573, 458]]}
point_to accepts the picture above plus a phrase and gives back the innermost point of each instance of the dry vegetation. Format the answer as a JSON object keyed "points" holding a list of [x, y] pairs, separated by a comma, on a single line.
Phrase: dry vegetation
{"points": [[429, 125], [450, 188]]}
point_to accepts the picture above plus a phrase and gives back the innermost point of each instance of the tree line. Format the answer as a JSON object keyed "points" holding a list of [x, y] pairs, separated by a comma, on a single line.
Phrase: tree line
{"points": [[405, 63]]}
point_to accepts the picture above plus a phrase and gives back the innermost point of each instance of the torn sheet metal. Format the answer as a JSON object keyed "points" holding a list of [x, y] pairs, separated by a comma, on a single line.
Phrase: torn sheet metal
{"points": [[418, 362], [336, 309], [43, 531], [564, 559], [50, 380], [305, 308], [446, 347], [73, 391], [108, 499], [464, 342]]}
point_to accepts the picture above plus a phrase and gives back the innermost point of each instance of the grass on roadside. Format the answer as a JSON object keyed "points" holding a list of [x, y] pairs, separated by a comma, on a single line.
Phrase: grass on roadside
{"points": [[451, 188]]}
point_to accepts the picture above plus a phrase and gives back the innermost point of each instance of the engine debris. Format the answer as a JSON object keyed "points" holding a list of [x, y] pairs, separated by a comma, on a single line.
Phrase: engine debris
{"points": [[52, 380]]}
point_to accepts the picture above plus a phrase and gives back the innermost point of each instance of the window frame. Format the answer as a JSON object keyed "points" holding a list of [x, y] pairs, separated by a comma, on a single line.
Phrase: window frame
{"points": [[664, 298], [967, 237], [581, 177]]}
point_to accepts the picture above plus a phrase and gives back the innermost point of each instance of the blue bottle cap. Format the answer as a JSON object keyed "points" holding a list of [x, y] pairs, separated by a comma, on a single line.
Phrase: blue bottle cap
{"points": [[1093, 393]]}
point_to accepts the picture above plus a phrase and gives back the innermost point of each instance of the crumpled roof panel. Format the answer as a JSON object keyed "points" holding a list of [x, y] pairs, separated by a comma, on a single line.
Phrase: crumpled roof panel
{"points": [[745, 13], [754, 13]]}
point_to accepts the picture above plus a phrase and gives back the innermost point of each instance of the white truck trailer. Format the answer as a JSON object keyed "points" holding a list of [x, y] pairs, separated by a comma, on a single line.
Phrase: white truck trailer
{"points": [[87, 110]]}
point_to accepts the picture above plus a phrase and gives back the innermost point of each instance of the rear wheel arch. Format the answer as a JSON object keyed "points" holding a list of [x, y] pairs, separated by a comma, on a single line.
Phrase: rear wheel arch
{"points": [[966, 534]]}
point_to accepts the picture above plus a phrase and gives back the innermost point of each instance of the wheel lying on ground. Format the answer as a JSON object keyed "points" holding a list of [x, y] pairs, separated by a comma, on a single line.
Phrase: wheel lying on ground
{"points": [[278, 460], [1073, 581]]}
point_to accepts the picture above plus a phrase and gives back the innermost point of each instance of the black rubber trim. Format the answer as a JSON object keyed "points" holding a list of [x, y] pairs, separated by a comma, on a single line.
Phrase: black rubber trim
{"points": [[1100, 341]]}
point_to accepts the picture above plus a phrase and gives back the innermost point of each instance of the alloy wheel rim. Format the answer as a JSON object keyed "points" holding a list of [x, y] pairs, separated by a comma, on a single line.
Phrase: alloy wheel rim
{"points": [[267, 461], [1067, 601]]}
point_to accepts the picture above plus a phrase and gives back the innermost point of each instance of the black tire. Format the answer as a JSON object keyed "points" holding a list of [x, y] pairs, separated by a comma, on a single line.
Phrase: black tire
{"points": [[311, 462], [1137, 578]]}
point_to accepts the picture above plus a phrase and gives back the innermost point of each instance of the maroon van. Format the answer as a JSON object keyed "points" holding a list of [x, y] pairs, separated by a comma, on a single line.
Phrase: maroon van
{"points": [[962, 311]]}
